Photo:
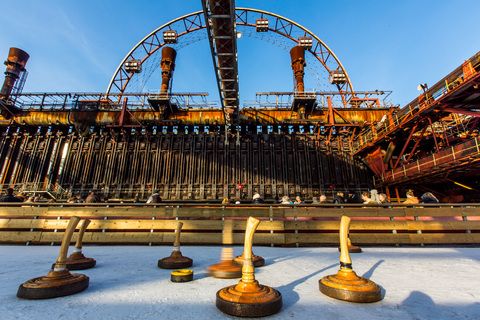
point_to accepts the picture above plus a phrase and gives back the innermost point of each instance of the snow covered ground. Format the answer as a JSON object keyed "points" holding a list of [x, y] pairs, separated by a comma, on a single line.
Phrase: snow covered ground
{"points": [[419, 283]]}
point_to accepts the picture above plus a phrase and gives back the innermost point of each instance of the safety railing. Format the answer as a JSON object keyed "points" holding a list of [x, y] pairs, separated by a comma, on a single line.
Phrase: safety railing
{"points": [[436, 161], [92, 101]]}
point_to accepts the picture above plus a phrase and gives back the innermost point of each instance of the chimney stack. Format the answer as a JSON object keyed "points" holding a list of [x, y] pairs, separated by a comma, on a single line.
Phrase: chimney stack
{"points": [[297, 54], [168, 66], [16, 62]]}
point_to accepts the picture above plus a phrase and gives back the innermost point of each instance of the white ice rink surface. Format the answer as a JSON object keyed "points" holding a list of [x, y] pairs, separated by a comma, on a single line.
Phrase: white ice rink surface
{"points": [[418, 283]]}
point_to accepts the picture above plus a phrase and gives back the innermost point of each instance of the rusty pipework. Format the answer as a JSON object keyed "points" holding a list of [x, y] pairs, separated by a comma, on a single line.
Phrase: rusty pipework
{"points": [[133, 117], [349, 117], [168, 66], [297, 54], [16, 62]]}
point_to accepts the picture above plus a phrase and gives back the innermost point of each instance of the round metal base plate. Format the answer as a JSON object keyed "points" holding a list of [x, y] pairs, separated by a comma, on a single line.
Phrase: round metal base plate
{"points": [[175, 263], [227, 269], [80, 264], [250, 310], [46, 287], [86, 263], [361, 296]]}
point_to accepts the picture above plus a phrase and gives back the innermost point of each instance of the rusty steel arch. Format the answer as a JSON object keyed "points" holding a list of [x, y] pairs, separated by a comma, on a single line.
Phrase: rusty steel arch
{"points": [[195, 21]]}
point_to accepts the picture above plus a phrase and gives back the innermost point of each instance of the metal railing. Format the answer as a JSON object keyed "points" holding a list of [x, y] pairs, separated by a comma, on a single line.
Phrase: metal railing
{"points": [[57, 101], [428, 165], [33, 188]]}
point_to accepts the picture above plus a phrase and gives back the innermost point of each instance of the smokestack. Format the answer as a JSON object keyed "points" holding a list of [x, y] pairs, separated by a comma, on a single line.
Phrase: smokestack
{"points": [[16, 62], [168, 66], [297, 54]]}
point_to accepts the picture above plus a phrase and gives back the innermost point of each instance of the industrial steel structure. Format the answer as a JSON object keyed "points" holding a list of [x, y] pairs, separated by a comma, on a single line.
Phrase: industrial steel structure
{"points": [[126, 142]]}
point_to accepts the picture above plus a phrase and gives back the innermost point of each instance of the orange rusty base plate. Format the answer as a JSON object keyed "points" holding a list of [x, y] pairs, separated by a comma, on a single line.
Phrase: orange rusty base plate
{"points": [[249, 300], [227, 269], [347, 286], [258, 261]]}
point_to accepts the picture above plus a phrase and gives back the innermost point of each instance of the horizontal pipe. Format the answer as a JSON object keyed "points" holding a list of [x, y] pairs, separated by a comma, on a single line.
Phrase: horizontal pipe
{"points": [[200, 116]]}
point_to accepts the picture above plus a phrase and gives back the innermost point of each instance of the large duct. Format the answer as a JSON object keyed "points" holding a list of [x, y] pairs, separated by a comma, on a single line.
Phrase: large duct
{"points": [[297, 54], [16, 62], [168, 66]]}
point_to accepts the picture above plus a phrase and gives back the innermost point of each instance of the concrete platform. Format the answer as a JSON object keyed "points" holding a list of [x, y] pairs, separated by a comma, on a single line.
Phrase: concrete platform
{"points": [[419, 283]]}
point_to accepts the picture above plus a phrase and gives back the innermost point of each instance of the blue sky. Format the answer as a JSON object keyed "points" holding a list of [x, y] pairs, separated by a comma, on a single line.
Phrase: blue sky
{"points": [[388, 45]]}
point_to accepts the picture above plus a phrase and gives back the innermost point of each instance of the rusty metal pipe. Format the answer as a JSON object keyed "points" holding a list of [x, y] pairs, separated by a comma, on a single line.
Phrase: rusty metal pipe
{"points": [[297, 55], [194, 116], [16, 62], [168, 66]]}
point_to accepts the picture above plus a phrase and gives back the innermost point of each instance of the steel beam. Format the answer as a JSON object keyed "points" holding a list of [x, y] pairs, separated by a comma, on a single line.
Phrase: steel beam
{"points": [[222, 35]]}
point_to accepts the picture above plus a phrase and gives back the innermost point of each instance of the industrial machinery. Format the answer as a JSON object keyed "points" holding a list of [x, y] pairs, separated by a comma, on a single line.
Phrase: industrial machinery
{"points": [[127, 141]]}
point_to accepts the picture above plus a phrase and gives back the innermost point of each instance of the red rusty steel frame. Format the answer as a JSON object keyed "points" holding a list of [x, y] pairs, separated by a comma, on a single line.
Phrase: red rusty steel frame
{"points": [[96, 108], [453, 83], [445, 134], [420, 137], [415, 146], [463, 155], [362, 99], [462, 111], [412, 131], [244, 17], [430, 123]]}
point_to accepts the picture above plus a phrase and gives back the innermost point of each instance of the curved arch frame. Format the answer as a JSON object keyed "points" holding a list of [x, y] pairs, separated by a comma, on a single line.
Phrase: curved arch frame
{"points": [[195, 21]]}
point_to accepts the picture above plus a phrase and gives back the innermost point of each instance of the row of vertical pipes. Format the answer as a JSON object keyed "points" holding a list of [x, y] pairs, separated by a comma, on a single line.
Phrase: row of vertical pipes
{"points": [[196, 162]]}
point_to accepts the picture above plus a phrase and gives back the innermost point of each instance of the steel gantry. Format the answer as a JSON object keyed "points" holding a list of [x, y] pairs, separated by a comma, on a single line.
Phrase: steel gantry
{"points": [[222, 36], [172, 34], [434, 135]]}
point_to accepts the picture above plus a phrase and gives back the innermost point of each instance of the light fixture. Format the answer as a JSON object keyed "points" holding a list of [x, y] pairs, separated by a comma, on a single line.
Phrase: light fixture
{"points": [[422, 87], [337, 77], [170, 36], [305, 42], [261, 25], [133, 66]]}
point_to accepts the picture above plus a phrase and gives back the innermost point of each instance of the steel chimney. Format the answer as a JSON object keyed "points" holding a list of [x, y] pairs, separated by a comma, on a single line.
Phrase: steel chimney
{"points": [[16, 62]]}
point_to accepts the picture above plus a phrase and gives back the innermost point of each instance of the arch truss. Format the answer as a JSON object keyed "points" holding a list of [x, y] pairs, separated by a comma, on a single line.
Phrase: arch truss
{"points": [[172, 32]]}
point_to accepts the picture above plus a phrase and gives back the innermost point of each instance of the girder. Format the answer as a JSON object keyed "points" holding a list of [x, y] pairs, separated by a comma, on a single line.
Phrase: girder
{"points": [[244, 17], [222, 37], [433, 135], [135, 109], [458, 90], [464, 157]]}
